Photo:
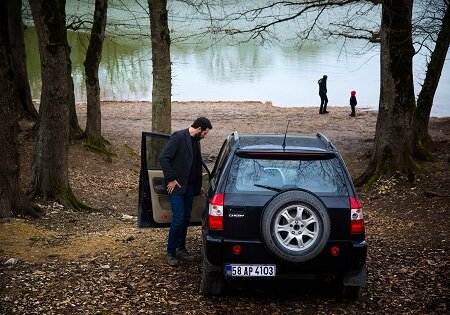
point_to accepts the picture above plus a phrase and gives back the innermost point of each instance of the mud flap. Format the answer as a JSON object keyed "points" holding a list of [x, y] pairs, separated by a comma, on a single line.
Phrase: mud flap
{"points": [[358, 279]]}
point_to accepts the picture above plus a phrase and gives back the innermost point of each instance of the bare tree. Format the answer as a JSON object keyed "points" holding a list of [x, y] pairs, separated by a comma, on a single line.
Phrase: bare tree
{"points": [[75, 131], [434, 69], [160, 42], [162, 80], [93, 130], [16, 35], [12, 197], [50, 160]]}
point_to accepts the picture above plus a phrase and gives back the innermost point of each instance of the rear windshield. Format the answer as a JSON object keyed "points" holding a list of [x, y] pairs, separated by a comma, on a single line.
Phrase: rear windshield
{"points": [[323, 176]]}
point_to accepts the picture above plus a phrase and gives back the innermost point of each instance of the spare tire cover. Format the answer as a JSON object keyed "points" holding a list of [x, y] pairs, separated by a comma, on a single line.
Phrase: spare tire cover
{"points": [[295, 226]]}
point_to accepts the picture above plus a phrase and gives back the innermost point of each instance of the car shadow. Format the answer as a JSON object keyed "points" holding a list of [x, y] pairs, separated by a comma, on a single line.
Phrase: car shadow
{"points": [[282, 289]]}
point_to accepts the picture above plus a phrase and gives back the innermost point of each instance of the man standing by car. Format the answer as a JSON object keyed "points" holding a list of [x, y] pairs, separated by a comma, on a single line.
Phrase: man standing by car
{"points": [[323, 95], [181, 162]]}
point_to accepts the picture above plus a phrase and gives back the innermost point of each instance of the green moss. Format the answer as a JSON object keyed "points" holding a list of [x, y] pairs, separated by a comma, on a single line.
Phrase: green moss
{"points": [[374, 172], [419, 145], [369, 184], [127, 149], [68, 199], [367, 180], [385, 166], [422, 152], [417, 164], [103, 151]]}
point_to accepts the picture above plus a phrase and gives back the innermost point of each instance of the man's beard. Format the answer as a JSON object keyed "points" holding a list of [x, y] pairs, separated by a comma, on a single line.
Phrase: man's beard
{"points": [[198, 137]]}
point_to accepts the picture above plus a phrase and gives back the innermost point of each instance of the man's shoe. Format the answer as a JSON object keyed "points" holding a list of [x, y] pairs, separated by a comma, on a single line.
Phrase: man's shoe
{"points": [[321, 113], [172, 261], [183, 254], [325, 112]]}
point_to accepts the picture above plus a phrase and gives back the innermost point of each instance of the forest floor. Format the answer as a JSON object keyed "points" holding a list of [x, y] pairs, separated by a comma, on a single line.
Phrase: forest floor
{"points": [[70, 262]]}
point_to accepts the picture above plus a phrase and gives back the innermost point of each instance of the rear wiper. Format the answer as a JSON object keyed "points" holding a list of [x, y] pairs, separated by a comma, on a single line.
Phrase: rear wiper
{"points": [[277, 189]]}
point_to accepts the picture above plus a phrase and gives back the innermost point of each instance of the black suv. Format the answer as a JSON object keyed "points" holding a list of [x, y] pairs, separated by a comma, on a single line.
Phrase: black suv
{"points": [[279, 206]]}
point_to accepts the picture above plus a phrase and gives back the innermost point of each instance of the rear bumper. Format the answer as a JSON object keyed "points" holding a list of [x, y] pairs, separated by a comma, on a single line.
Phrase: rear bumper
{"points": [[352, 257]]}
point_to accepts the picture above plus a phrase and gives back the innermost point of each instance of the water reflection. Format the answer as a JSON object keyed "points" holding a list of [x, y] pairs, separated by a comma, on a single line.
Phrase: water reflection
{"points": [[284, 76]]}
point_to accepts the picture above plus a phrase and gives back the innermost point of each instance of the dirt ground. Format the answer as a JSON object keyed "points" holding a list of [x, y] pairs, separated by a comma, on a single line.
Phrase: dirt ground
{"points": [[72, 262]]}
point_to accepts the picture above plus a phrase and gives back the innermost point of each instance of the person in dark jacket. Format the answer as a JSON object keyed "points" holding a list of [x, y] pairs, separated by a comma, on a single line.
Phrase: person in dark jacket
{"points": [[353, 103], [181, 162], [323, 95]]}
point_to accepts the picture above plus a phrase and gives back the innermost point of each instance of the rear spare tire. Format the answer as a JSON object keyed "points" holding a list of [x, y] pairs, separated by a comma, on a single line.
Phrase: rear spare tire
{"points": [[295, 226]]}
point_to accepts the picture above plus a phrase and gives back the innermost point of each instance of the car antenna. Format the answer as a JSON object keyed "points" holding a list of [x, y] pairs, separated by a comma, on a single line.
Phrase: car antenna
{"points": [[284, 140]]}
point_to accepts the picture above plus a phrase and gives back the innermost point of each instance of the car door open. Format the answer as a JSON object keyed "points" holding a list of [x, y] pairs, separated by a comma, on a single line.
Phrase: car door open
{"points": [[154, 204]]}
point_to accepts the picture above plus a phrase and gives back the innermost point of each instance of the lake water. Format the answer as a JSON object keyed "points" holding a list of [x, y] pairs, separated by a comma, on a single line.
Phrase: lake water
{"points": [[284, 76]]}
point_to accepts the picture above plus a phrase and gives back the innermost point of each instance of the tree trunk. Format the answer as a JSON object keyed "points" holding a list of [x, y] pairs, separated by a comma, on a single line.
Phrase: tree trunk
{"points": [[12, 197], [393, 147], [93, 130], [75, 131], [430, 84], [22, 86], [50, 160], [162, 80]]}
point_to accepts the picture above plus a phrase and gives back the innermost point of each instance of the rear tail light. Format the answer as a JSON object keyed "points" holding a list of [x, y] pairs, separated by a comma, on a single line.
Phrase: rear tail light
{"points": [[215, 215], [356, 215], [237, 250], [335, 251]]}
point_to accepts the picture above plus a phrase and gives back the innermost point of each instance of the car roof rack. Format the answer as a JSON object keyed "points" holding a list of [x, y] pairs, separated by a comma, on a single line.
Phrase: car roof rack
{"points": [[326, 141], [236, 135]]}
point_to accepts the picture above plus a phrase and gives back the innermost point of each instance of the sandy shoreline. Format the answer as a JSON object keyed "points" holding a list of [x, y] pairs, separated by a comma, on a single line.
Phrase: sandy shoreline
{"points": [[126, 121], [440, 111]]}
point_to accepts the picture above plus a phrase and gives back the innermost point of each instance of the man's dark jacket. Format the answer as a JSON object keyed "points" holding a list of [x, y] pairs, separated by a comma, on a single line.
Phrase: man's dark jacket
{"points": [[322, 87], [176, 161]]}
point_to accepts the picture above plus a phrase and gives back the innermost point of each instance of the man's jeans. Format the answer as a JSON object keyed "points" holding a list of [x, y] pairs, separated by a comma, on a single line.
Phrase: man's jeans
{"points": [[181, 210], [323, 102]]}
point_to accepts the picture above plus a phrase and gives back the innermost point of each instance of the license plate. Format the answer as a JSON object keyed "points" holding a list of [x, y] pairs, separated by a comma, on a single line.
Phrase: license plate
{"points": [[240, 270]]}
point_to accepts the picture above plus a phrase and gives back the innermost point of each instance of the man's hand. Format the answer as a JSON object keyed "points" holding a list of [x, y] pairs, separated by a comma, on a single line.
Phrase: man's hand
{"points": [[171, 186]]}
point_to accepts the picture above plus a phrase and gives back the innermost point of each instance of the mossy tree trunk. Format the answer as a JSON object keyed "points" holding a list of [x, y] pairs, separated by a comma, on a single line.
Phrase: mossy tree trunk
{"points": [[93, 130], [430, 84], [16, 37], [50, 161], [394, 145], [12, 197]]}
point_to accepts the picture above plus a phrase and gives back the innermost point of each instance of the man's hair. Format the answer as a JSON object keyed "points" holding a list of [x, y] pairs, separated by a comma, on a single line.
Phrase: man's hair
{"points": [[202, 122]]}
